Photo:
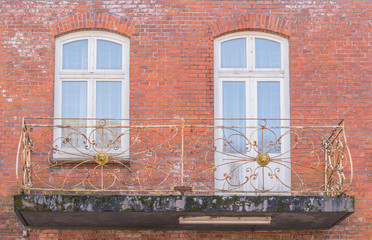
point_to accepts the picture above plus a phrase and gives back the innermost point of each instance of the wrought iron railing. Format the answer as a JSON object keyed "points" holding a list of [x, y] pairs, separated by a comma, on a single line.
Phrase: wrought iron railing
{"points": [[198, 156]]}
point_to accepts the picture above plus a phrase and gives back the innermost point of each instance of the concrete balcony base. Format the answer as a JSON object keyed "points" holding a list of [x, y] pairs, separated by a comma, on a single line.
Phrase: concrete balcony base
{"points": [[163, 212]]}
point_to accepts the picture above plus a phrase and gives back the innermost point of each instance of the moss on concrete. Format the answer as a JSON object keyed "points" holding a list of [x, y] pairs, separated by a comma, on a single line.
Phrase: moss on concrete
{"points": [[87, 203]]}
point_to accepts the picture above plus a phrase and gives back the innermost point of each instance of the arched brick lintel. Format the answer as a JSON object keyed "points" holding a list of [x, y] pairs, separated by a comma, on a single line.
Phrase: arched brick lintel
{"points": [[259, 22], [91, 21]]}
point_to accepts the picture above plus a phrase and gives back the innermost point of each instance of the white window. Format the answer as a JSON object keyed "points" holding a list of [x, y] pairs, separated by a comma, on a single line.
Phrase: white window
{"points": [[91, 82], [252, 82]]}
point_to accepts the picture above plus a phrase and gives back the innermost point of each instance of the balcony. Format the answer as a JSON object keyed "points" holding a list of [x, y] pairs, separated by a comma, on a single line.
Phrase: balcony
{"points": [[203, 174]]}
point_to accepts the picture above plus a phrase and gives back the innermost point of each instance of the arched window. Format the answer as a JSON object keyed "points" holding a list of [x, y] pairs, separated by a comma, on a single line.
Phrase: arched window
{"points": [[91, 80], [251, 83]]}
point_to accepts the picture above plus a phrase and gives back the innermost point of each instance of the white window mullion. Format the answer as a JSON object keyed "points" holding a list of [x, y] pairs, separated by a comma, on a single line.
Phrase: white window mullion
{"points": [[248, 123], [252, 112], [90, 107], [92, 61], [92, 97], [250, 52]]}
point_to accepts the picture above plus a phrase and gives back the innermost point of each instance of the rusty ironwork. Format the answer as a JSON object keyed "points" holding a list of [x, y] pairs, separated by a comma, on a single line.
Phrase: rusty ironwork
{"points": [[180, 156]]}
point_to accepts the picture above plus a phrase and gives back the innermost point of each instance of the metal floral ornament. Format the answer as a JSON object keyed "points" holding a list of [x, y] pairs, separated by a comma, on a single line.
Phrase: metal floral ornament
{"points": [[263, 159], [102, 158]]}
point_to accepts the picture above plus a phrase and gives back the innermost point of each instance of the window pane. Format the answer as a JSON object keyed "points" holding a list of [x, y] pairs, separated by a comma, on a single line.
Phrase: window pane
{"points": [[74, 105], [74, 99], [267, 53], [233, 53], [75, 55], [108, 107], [108, 100], [268, 106], [109, 55], [234, 107]]}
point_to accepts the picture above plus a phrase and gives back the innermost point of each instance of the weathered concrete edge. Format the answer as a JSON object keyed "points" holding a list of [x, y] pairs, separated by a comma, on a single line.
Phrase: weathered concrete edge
{"points": [[170, 203]]}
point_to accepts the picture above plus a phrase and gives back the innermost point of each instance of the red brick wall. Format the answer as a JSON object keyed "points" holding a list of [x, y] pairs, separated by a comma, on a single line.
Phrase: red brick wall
{"points": [[171, 75]]}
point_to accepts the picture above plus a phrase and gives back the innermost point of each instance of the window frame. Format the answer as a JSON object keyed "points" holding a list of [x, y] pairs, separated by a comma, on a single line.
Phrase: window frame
{"points": [[91, 75], [251, 76]]}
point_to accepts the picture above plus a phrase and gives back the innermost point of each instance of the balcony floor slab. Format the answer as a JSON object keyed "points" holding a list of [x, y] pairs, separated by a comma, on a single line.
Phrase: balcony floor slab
{"points": [[163, 212]]}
